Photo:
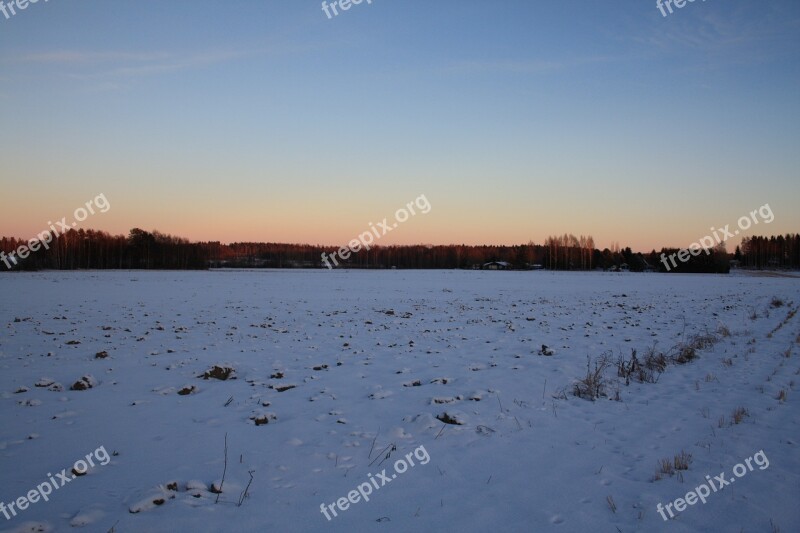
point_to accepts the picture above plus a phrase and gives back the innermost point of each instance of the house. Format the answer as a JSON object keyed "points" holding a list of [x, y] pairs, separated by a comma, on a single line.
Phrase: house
{"points": [[497, 265]]}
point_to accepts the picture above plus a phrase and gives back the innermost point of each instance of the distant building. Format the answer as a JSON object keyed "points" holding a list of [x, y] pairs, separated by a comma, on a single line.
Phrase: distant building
{"points": [[497, 265]]}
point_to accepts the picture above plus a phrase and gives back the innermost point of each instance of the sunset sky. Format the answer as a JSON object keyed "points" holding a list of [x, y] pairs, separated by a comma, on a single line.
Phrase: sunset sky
{"points": [[266, 121]]}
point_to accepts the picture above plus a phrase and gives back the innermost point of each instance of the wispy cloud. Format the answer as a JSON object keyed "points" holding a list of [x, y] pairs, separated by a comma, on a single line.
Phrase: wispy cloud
{"points": [[162, 64], [717, 31], [109, 69], [73, 57], [509, 66]]}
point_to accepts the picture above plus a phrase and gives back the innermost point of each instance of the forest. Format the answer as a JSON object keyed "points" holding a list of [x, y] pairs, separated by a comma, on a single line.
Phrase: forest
{"points": [[140, 249]]}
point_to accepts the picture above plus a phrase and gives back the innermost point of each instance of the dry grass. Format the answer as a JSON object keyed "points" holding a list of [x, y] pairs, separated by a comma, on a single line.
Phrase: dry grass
{"points": [[647, 370], [685, 355], [687, 351], [664, 468], [593, 385], [670, 467], [783, 395], [682, 460], [611, 504], [785, 321], [702, 342], [738, 415]]}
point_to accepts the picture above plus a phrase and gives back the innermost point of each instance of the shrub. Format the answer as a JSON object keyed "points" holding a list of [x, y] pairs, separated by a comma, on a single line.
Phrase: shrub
{"points": [[685, 355], [646, 371]]}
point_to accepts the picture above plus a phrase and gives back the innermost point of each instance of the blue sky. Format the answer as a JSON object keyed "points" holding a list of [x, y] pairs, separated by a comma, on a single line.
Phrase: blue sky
{"points": [[265, 120]]}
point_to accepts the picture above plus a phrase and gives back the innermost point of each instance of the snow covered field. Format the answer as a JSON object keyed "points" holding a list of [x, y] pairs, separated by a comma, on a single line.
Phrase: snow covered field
{"points": [[332, 371]]}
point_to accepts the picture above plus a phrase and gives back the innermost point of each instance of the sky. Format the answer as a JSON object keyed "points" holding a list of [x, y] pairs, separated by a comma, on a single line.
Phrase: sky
{"points": [[266, 120]]}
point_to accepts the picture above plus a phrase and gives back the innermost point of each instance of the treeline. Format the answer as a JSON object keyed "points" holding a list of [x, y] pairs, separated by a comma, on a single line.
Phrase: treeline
{"points": [[273, 255], [565, 252], [568, 252], [782, 251], [90, 249], [710, 261]]}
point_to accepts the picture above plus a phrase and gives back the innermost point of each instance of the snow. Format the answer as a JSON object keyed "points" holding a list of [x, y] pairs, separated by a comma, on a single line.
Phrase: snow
{"points": [[334, 370]]}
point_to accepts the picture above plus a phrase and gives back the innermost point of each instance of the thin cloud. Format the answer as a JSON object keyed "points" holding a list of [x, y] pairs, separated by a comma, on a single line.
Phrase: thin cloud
{"points": [[717, 30], [113, 66], [72, 57], [162, 65], [512, 67]]}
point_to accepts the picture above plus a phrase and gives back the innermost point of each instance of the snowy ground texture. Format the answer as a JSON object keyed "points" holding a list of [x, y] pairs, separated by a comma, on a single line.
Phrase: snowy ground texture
{"points": [[333, 371]]}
